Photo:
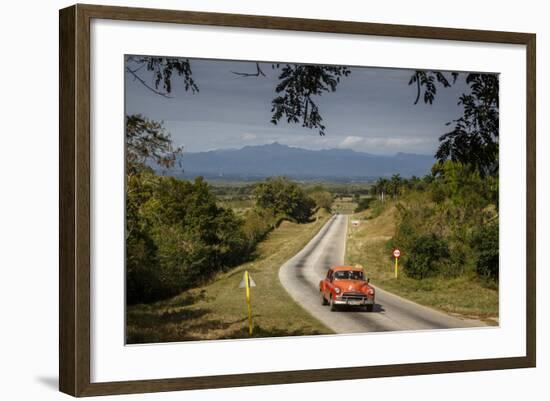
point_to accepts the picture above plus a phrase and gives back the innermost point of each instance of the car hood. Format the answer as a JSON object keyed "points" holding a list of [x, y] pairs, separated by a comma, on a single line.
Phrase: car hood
{"points": [[351, 285]]}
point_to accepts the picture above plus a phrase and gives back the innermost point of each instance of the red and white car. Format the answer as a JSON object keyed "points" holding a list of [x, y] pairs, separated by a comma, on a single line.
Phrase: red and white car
{"points": [[346, 286]]}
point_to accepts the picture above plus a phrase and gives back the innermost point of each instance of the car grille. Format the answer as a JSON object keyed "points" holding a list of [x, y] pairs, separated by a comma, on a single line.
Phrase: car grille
{"points": [[355, 296]]}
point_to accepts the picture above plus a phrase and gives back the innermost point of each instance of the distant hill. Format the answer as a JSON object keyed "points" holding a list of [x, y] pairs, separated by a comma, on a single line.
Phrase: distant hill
{"points": [[256, 162]]}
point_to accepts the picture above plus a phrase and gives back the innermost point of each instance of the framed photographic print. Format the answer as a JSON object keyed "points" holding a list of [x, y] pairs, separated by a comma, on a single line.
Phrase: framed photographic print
{"points": [[247, 185]]}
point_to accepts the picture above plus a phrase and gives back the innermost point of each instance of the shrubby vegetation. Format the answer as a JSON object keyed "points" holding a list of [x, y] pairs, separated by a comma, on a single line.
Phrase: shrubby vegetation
{"points": [[362, 204], [485, 244], [447, 222], [428, 255], [177, 236]]}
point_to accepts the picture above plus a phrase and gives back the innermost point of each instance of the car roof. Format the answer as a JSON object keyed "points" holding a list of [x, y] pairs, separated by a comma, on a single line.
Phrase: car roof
{"points": [[346, 268]]}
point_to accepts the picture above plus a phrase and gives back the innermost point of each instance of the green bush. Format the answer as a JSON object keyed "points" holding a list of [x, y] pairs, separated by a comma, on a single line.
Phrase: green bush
{"points": [[362, 204], [426, 256], [486, 244]]}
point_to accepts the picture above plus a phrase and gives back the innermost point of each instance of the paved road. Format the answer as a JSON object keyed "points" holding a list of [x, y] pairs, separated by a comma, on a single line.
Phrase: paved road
{"points": [[301, 275]]}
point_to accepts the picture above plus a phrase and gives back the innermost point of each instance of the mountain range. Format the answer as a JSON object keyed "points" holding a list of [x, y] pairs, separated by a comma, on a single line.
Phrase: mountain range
{"points": [[257, 162]]}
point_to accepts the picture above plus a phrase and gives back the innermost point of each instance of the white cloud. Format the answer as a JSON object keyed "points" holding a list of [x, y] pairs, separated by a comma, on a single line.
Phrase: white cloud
{"points": [[248, 136], [350, 141], [384, 144]]}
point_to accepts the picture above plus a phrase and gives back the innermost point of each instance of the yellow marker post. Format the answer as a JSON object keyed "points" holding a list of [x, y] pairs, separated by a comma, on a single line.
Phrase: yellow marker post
{"points": [[247, 286], [396, 259], [246, 283], [396, 254]]}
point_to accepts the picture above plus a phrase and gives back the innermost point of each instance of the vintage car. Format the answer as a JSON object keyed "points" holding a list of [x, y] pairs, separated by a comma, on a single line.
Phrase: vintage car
{"points": [[346, 286]]}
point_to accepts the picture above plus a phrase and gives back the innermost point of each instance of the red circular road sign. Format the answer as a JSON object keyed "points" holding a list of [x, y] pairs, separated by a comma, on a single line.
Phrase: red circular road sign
{"points": [[396, 253]]}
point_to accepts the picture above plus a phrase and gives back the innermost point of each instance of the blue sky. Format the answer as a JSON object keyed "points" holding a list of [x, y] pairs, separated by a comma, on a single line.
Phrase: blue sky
{"points": [[372, 110]]}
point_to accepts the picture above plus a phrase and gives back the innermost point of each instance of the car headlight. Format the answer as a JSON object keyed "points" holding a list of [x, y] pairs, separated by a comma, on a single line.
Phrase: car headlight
{"points": [[337, 290]]}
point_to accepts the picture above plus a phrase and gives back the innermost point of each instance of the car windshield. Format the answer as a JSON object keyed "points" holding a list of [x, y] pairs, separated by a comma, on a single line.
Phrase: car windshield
{"points": [[348, 275]]}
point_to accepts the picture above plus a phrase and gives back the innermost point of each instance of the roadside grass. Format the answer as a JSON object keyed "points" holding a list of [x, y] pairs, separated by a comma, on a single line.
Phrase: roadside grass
{"points": [[465, 295], [218, 309]]}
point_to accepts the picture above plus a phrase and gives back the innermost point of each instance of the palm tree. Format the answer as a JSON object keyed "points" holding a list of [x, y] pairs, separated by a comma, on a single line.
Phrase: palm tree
{"points": [[380, 188], [395, 184]]}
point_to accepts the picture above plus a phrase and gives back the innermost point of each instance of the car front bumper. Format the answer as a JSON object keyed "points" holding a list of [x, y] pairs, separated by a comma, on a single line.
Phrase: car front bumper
{"points": [[353, 302]]}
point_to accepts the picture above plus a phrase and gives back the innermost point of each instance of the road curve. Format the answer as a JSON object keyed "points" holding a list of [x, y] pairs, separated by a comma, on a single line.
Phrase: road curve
{"points": [[301, 274]]}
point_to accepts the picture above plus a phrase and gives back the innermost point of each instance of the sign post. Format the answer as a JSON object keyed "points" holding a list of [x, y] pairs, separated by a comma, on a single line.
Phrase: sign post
{"points": [[247, 282], [396, 254]]}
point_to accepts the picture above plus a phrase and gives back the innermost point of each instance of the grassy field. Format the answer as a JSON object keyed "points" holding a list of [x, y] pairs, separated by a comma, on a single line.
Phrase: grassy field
{"points": [[366, 245], [218, 310], [239, 206], [344, 205]]}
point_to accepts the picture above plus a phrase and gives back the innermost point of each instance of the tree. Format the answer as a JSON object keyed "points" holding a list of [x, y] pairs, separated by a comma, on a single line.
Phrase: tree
{"points": [[162, 69], [147, 140], [474, 137], [323, 199], [381, 188], [395, 185], [284, 197], [463, 186], [177, 236], [427, 80], [143, 282], [298, 86]]}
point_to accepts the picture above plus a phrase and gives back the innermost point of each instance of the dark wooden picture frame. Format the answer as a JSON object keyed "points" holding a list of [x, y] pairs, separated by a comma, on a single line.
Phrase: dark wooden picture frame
{"points": [[74, 203]]}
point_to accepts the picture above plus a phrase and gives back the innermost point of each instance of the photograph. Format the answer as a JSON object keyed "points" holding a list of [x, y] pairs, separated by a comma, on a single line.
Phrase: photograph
{"points": [[275, 199]]}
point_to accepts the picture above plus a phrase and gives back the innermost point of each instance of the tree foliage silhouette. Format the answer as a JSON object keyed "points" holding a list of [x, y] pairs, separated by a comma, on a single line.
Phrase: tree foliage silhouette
{"points": [[298, 85], [147, 140], [474, 137], [162, 69]]}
